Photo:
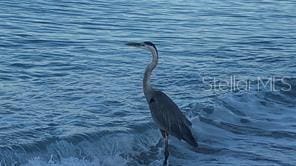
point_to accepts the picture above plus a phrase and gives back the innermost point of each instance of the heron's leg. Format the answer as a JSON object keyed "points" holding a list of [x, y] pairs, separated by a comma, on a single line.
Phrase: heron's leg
{"points": [[162, 133], [166, 148]]}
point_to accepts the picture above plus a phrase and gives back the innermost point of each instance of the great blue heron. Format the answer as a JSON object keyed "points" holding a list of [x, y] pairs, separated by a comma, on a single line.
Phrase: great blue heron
{"points": [[164, 111]]}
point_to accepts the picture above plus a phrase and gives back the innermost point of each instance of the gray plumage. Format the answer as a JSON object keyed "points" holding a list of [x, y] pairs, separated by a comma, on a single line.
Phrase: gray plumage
{"points": [[169, 118], [164, 111]]}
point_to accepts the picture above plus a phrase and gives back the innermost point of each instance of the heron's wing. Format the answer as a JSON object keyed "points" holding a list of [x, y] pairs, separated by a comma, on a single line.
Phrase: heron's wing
{"points": [[168, 117]]}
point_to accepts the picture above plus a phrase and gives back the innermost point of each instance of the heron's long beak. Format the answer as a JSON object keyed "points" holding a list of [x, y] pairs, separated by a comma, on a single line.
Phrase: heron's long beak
{"points": [[133, 44]]}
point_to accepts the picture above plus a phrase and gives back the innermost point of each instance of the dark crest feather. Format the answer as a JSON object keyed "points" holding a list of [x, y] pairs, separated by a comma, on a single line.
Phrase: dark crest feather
{"points": [[150, 44]]}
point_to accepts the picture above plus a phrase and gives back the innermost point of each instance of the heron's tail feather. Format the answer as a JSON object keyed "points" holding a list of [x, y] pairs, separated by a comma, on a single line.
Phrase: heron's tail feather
{"points": [[188, 137]]}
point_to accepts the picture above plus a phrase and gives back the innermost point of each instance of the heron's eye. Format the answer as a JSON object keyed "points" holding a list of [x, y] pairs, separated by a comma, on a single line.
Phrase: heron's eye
{"points": [[152, 100]]}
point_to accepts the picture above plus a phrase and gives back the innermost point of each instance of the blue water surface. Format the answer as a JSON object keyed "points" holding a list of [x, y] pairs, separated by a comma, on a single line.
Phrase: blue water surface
{"points": [[71, 90]]}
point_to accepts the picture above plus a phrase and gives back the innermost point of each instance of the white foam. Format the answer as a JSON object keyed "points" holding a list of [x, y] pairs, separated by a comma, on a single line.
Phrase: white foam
{"points": [[72, 161]]}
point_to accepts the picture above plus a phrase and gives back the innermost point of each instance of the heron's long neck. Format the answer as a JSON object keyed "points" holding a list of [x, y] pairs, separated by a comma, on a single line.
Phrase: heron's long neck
{"points": [[147, 76]]}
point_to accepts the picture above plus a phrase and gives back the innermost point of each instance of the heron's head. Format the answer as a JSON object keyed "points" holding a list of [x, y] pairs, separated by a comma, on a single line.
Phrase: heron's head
{"points": [[146, 45]]}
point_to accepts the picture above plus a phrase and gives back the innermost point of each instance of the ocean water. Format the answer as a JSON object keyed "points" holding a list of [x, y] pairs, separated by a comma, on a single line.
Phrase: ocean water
{"points": [[71, 91]]}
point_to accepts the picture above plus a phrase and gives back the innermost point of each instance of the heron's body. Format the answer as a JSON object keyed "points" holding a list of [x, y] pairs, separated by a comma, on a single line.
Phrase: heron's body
{"points": [[165, 113], [169, 118]]}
